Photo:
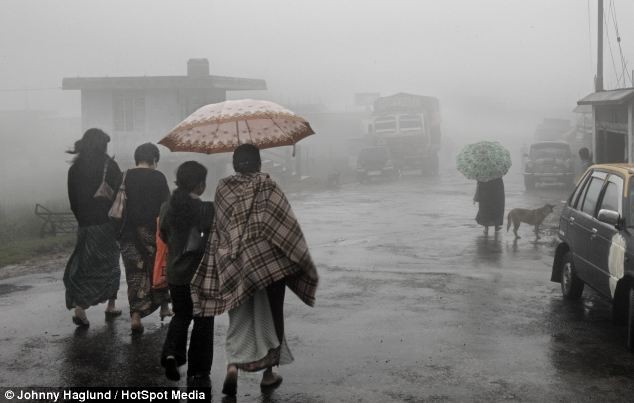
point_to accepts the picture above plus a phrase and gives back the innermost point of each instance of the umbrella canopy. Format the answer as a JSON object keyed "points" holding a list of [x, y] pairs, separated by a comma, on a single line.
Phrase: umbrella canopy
{"points": [[484, 161], [222, 127]]}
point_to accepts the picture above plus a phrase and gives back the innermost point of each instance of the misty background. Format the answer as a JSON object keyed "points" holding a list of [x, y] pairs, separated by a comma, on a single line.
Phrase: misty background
{"points": [[498, 67]]}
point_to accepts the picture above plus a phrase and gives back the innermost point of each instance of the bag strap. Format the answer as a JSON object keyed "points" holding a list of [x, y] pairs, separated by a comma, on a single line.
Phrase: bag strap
{"points": [[122, 187], [105, 170]]}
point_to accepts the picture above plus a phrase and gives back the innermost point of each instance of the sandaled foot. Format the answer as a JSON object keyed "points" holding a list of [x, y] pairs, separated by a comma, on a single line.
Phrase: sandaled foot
{"points": [[112, 313], [81, 322], [230, 386], [165, 313], [137, 329], [171, 369], [271, 381]]}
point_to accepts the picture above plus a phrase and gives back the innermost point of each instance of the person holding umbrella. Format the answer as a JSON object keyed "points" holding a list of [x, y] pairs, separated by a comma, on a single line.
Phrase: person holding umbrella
{"points": [[490, 198], [486, 162], [256, 248]]}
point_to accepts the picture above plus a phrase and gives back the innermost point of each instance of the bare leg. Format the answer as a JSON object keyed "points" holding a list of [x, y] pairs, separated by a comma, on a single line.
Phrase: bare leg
{"points": [[136, 325], [230, 386], [486, 230]]}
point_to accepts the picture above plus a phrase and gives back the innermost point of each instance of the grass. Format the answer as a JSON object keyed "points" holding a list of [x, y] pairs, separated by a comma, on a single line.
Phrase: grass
{"points": [[21, 250]]}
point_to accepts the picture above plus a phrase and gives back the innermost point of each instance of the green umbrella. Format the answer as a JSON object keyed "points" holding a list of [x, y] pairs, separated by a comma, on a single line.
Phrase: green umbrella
{"points": [[484, 161]]}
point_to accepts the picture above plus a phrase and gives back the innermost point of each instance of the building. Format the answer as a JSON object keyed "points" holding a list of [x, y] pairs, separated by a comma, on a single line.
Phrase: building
{"points": [[138, 109], [613, 137]]}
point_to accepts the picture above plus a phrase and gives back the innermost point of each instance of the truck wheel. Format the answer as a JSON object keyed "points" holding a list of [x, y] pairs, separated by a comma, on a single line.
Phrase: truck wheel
{"points": [[529, 183], [571, 285]]}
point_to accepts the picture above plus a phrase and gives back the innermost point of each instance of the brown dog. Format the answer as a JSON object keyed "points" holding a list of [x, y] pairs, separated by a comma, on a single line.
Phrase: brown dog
{"points": [[532, 217]]}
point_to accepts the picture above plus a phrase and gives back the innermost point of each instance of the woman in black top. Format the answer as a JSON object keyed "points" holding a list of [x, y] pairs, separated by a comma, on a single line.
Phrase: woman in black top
{"points": [[146, 189], [183, 215], [92, 274]]}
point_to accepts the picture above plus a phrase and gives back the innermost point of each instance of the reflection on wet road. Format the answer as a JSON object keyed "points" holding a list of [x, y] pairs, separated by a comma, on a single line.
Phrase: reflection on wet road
{"points": [[415, 303]]}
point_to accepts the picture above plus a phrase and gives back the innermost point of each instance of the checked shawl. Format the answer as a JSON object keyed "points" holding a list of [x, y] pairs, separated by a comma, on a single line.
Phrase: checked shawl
{"points": [[255, 241]]}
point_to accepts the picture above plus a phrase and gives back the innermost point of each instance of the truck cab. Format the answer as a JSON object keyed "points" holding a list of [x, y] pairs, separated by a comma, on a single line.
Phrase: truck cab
{"points": [[409, 126]]}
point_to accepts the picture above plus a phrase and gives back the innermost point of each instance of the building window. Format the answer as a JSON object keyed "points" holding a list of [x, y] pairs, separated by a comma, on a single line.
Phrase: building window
{"points": [[128, 112]]}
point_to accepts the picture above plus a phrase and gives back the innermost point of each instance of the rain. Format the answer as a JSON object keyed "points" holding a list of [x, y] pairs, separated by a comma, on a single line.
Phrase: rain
{"points": [[432, 154]]}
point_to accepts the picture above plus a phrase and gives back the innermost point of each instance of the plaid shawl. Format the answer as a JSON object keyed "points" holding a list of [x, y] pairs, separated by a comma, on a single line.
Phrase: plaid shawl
{"points": [[255, 241]]}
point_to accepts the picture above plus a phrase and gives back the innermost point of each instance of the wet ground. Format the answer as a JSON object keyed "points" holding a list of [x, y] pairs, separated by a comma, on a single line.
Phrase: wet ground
{"points": [[415, 304]]}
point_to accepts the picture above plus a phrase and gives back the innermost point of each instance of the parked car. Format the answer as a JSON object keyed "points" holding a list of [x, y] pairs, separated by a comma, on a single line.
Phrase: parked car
{"points": [[597, 243], [549, 162], [375, 163]]}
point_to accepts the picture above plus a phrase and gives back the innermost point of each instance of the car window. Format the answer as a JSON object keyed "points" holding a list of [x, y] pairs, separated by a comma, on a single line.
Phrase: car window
{"points": [[611, 196], [574, 198], [592, 195]]}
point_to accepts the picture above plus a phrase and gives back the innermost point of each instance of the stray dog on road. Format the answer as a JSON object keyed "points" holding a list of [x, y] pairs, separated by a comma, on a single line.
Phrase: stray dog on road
{"points": [[532, 217]]}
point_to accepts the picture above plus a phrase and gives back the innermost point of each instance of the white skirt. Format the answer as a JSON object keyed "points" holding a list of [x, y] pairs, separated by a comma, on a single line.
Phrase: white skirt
{"points": [[252, 343]]}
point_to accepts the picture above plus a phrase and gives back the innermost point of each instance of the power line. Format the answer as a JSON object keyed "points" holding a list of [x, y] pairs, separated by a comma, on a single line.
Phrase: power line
{"points": [[590, 38], [625, 75], [607, 34]]}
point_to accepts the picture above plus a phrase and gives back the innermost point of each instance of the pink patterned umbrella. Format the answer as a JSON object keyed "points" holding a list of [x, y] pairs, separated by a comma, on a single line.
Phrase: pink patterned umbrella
{"points": [[221, 127]]}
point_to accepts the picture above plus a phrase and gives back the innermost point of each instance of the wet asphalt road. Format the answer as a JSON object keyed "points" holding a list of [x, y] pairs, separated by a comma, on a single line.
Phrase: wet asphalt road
{"points": [[415, 304]]}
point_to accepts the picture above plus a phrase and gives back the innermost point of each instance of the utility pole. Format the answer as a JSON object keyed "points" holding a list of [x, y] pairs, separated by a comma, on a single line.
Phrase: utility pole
{"points": [[599, 80]]}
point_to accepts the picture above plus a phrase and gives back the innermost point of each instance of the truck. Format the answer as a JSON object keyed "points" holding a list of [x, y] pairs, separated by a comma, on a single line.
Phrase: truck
{"points": [[408, 126]]}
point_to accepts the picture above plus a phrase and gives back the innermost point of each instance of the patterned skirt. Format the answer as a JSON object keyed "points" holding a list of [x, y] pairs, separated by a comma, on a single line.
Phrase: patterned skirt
{"points": [[138, 251], [252, 342], [92, 273]]}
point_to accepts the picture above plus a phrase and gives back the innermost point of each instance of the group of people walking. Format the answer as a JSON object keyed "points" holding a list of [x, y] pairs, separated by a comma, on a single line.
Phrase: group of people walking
{"points": [[236, 255]]}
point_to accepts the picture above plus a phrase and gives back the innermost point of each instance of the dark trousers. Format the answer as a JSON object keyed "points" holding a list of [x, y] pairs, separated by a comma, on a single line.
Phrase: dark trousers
{"points": [[201, 350], [275, 292]]}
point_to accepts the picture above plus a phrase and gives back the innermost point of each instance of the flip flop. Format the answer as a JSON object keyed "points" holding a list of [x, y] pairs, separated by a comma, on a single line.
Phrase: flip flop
{"points": [[274, 384], [80, 322], [137, 329], [112, 314]]}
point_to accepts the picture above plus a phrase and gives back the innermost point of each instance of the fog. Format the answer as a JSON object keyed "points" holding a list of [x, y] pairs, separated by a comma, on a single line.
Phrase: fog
{"points": [[497, 67]]}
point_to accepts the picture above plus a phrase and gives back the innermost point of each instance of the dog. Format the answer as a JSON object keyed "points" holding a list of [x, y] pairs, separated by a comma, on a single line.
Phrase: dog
{"points": [[532, 217]]}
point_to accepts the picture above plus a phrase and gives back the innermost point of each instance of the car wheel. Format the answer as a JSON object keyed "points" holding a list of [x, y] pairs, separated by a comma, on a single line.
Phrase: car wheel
{"points": [[630, 322], [571, 285]]}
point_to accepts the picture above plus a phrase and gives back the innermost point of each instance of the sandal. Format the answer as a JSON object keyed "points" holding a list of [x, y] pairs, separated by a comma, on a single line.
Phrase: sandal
{"points": [[272, 385], [112, 314], [163, 315], [81, 322], [137, 329]]}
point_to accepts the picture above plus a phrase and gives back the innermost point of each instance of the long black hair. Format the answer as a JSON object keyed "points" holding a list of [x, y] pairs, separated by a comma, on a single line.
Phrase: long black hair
{"points": [[182, 210], [92, 147]]}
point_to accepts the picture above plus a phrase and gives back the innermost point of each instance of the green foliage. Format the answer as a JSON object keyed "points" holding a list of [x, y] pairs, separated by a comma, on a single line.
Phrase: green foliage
{"points": [[18, 251], [20, 235]]}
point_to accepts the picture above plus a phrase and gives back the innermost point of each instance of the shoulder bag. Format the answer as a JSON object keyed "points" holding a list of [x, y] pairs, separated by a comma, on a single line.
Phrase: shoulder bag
{"points": [[116, 211], [104, 190]]}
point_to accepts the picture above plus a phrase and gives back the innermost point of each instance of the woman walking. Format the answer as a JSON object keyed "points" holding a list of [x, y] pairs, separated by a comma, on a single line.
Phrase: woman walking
{"points": [[490, 198], [146, 189], [256, 249], [92, 273], [181, 217]]}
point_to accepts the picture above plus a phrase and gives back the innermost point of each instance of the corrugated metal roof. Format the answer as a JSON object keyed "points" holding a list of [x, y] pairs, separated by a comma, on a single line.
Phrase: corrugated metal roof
{"points": [[608, 97]]}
